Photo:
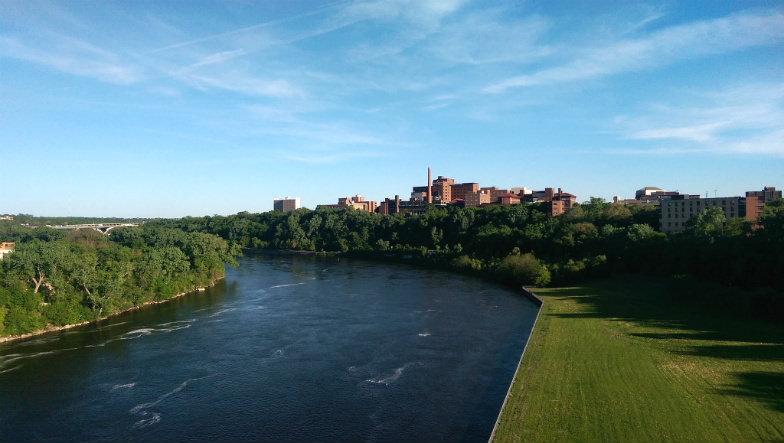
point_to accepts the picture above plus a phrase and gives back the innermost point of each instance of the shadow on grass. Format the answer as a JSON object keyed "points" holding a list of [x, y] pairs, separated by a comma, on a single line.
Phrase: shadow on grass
{"points": [[686, 312], [690, 311], [739, 352], [767, 387]]}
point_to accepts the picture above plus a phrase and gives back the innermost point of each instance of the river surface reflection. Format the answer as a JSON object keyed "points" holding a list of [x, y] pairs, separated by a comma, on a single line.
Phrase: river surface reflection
{"points": [[287, 348]]}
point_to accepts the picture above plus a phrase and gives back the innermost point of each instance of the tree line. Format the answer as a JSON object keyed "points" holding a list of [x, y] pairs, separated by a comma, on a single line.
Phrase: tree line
{"points": [[57, 278], [521, 244]]}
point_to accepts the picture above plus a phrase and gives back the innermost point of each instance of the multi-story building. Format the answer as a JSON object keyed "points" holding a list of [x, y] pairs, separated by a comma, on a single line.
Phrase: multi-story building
{"points": [[561, 202], [442, 189], [286, 204], [496, 193], [520, 190], [768, 193], [756, 200], [461, 190], [648, 193], [389, 206], [356, 202], [478, 198], [508, 199], [678, 210], [557, 203], [649, 196], [419, 193]]}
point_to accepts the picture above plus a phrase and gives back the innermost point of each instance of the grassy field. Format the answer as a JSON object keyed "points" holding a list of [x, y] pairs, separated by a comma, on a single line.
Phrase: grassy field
{"points": [[632, 359]]}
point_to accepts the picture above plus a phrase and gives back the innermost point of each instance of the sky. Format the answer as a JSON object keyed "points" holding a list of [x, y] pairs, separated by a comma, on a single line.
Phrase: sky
{"points": [[194, 108]]}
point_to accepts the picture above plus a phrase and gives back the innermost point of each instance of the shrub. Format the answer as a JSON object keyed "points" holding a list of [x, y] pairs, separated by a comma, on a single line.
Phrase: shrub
{"points": [[524, 269]]}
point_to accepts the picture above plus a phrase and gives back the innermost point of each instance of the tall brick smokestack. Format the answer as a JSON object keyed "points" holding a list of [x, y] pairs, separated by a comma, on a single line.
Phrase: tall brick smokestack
{"points": [[429, 187]]}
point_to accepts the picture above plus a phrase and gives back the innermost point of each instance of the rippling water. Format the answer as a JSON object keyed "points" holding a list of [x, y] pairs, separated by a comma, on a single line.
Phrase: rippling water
{"points": [[287, 348]]}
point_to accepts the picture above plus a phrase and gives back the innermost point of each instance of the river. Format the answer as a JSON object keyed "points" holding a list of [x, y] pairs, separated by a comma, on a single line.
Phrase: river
{"points": [[286, 348]]}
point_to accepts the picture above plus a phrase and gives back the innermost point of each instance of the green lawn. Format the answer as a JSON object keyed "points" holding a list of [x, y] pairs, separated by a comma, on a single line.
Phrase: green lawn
{"points": [[631, 359]]}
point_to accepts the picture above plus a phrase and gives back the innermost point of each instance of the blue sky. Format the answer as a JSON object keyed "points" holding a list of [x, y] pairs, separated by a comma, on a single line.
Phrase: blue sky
{"points": [[169, 109]]}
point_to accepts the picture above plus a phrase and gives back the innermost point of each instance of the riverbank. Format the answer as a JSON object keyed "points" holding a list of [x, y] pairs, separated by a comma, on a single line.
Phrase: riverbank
{"points": [[636, 359], [53, 329]]}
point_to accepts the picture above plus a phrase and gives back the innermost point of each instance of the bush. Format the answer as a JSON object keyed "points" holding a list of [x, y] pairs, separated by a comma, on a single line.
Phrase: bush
{"points": [[467, 263], [21, 321], [524, 270], [64, 313]]}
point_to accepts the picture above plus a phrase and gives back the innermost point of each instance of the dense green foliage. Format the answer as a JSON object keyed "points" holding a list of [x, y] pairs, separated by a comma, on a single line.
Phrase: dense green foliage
{"points": [[588, 241], [56, 278]]}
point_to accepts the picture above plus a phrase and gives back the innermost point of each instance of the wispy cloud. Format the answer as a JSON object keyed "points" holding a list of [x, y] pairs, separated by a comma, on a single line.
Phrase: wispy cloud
{"points": [[661, 48], [332, 158], [76, 57], [743, 120], [216, 58], [244, 83], [313, 138], [486, 37]]}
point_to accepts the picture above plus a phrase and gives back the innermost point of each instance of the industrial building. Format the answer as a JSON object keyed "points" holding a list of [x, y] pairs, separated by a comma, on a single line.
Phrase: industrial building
{"points": [[357, 202]]}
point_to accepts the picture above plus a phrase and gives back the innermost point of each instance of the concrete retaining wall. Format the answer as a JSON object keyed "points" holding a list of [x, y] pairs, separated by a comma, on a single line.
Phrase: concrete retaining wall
{"points": [[539, 302]]}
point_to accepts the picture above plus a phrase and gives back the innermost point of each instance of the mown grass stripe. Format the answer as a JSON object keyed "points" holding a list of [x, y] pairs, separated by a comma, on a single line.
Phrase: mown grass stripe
{"points": [[637, 359]]}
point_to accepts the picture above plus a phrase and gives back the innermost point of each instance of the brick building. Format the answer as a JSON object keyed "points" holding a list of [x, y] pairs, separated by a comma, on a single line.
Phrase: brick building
{"points": [[557, 202], [461, 190], [755, 202], [479, 198]]}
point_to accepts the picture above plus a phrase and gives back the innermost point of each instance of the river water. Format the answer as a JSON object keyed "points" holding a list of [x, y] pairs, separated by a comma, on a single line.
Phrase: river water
{"points": [[287, 348]]}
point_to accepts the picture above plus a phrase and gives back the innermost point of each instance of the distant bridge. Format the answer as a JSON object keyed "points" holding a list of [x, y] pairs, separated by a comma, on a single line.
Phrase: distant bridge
{"points": [[102, 227]]}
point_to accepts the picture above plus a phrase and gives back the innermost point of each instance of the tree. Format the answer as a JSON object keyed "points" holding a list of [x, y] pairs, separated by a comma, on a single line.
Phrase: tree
{"points": [[83, 271], [616, 213], [38, 261], [525, 269], [709, 224], [772, 220]]}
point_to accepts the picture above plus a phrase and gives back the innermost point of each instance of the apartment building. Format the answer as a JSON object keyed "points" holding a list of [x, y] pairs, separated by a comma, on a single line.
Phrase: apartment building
{"points": [[286, 204], [678, 210]]}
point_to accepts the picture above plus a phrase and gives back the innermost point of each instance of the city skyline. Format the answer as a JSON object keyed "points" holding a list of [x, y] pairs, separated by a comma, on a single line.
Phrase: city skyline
{"points": [[172, 109]]}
